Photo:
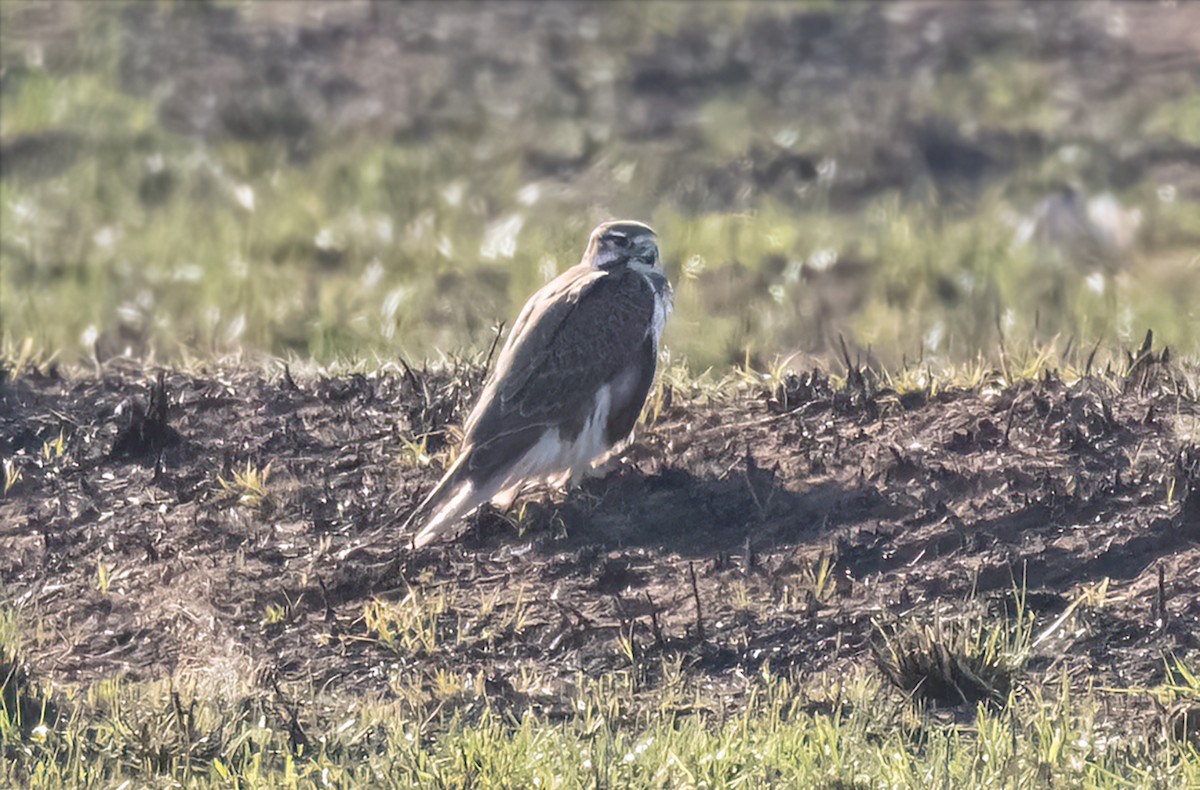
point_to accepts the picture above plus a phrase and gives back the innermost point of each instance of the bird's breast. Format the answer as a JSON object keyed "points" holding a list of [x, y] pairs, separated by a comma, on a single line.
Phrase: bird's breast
{"points": [[661, 288], [662, 308]]}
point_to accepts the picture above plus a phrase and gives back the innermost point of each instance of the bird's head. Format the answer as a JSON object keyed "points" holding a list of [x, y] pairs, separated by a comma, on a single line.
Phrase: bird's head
{"points": [[622, 243]]}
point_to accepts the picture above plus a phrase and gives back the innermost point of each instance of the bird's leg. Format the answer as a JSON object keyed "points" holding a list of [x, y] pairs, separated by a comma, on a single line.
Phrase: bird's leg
{"points": [[503, 500], [611, 464], [585, 472], [579, 475]]}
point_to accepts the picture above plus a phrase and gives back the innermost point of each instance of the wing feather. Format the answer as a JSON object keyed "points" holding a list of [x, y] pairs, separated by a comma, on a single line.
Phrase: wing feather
{"points": [[540, 317], [574, 336]]}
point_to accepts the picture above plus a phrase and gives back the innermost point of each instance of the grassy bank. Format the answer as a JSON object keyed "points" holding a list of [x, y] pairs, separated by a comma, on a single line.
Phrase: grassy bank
{"points": [[646, 726]]}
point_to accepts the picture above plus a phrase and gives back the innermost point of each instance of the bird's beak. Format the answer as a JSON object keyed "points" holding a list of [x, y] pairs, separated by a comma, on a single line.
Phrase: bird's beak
{"points": [[646, 251]]}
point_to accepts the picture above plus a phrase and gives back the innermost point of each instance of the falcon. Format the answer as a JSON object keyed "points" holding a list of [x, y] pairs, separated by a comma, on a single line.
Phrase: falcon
{"points": [[569, 383]]}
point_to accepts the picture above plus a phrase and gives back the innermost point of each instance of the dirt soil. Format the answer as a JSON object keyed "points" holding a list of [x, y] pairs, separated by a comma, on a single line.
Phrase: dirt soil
{"points": [[134, 560]]}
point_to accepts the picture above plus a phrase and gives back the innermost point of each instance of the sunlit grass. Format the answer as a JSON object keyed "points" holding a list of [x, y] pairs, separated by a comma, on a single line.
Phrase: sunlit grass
{"points": [[154, 243], [786, 730], [247, 484], [12, 474], [256, 279], [957, 660]]}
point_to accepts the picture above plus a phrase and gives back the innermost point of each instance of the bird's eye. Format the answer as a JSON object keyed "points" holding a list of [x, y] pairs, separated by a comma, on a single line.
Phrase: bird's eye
{"points": [[620, 241]]}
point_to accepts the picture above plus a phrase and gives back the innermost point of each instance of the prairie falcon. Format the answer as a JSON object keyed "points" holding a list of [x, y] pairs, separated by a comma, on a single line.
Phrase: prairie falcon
{"points": [[569, 383]]}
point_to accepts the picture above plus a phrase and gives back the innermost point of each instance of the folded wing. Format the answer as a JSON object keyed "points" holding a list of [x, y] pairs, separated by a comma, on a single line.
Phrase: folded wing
{"points": [[582, 331]]}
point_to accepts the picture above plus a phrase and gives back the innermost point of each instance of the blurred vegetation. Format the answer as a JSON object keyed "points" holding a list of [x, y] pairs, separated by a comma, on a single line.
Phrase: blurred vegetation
{"points": [[332, 180]]}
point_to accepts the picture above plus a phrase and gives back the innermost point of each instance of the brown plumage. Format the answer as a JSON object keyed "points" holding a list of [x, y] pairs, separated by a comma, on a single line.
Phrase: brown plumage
{"points": [[569, 383]]}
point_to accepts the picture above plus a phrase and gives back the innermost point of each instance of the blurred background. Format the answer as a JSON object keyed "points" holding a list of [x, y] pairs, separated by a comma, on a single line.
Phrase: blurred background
{"points": [[357, 179]]}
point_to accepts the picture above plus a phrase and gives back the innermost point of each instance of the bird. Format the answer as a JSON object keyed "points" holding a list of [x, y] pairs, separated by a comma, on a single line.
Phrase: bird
{"points": [[568, 385]]}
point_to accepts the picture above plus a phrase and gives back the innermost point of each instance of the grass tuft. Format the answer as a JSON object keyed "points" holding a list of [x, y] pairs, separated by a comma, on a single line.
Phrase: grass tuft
{"points": [[247, 483], [956, 660]]}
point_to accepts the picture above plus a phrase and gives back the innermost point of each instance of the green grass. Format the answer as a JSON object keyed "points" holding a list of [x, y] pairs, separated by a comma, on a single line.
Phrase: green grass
{"points": [[662, 721], [772, 730], [372, 246]]}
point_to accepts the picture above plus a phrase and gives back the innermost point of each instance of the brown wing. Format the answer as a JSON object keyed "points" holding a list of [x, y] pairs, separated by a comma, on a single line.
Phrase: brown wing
{"points": [[540, 317], [629, 391], [572, 338]]}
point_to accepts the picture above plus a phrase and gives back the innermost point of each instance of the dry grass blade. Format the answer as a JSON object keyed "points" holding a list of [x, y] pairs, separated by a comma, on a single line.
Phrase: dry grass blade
{"points": [[956, 660]]}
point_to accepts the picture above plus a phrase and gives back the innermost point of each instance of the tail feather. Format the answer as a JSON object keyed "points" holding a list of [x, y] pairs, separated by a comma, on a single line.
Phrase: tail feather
{"points": [[500, 467], [452, 498], [460, 503]]}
